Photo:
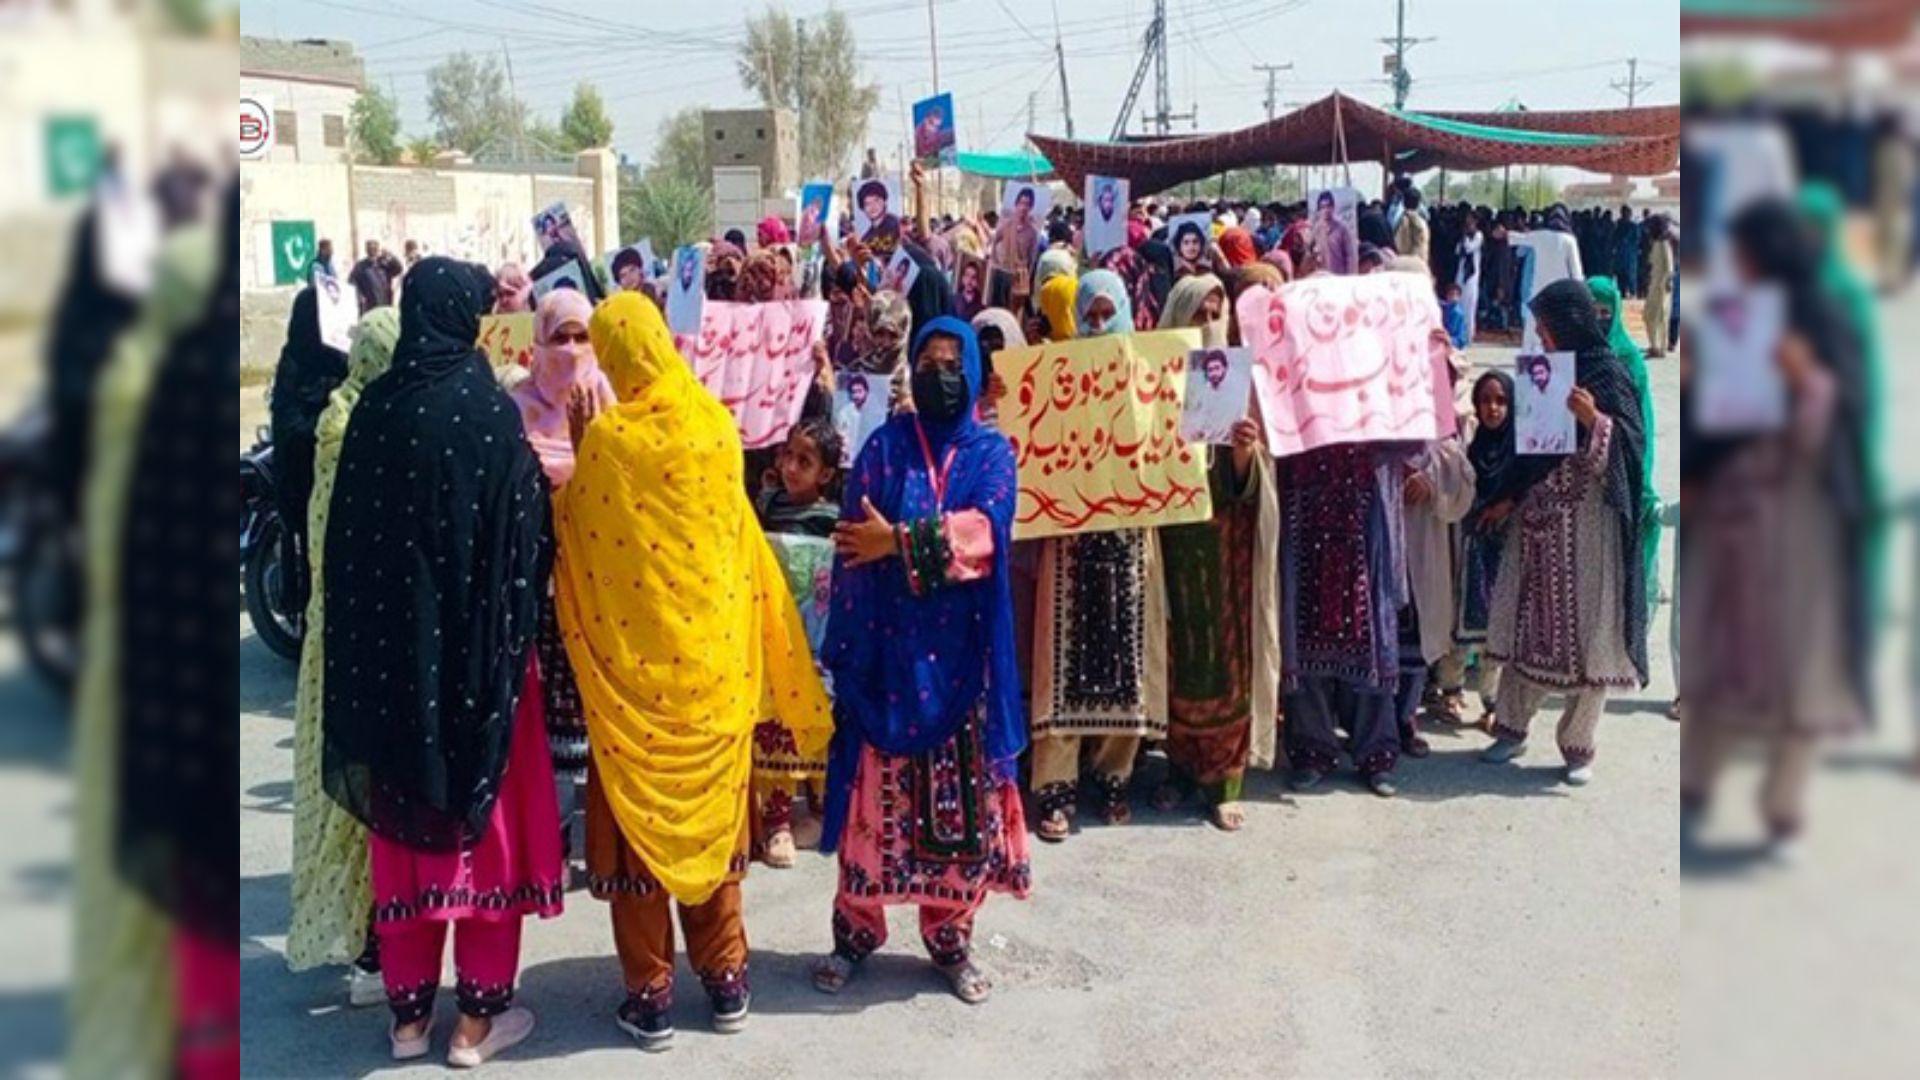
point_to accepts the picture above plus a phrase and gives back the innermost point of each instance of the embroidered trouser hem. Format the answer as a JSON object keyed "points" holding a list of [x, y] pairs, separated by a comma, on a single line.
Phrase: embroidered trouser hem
{"points": [[1521, 697], [486, 957], [1791, 757], [1056, 766], [643, 936], [860, 927], [1320, 705]]}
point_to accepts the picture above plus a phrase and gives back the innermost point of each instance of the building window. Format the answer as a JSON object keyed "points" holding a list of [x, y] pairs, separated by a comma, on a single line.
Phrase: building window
{"points": [[333, 131], [760, 133], [719, 136], [286, 128]]}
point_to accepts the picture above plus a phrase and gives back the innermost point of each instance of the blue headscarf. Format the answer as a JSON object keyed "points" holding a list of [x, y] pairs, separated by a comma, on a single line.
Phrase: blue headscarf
{"points": [[1097, 283], [908, 670]]}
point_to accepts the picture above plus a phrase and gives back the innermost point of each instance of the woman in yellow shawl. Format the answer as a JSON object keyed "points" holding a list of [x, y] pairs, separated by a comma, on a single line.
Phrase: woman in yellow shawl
{"points": [[682, 634], [332, 893], [1056, 303]]}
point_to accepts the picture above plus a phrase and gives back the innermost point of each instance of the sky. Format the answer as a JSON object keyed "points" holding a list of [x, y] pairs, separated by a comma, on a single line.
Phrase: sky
{"points": [[651, 58]]}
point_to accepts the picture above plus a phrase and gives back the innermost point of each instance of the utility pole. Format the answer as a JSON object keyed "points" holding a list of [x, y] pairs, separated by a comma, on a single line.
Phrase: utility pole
{"points": [[1060, 59], [1402, 81], [518, 118], [1033, 96], [933, 45], [1273, 71], [1633, 83]]}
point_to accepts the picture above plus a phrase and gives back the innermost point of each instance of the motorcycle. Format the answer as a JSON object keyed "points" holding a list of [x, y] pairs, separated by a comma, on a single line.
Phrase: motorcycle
{"points": [[39, 550], [263, 554]]}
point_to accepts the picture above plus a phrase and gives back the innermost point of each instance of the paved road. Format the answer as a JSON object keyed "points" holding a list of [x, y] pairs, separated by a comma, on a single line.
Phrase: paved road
{"points": [[1490, 922]]}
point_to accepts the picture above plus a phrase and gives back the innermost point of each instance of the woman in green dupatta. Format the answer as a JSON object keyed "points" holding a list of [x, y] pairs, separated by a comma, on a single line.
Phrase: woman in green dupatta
{"points": [[332, 893], [1825, 209], [1606, 294]]}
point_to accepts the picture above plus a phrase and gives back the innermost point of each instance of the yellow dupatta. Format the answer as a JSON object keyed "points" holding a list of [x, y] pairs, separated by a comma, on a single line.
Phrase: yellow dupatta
{"points": [[331, 883], [677, 617]]}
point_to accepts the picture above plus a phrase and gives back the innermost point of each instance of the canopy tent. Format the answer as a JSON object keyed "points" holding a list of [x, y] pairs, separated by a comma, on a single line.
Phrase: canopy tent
{"points": [[1633, 142], [1855, 24], [1018, 165]]}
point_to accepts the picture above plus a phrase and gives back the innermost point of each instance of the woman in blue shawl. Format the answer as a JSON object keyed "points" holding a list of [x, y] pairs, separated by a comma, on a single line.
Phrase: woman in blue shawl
{"points": [[922, 802]]}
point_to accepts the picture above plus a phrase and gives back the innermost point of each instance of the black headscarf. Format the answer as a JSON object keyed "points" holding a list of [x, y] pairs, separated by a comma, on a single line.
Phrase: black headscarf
{"points": [[1492, 452], [561, 252], [307, 373], [931, 296], [1565, 310], [179, 750], [1559, 220], [1158, 259], [88, 319], [1373, 228], [436, 556]]}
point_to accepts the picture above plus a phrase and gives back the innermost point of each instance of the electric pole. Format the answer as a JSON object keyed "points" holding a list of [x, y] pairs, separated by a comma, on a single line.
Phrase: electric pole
{"points": [[1633, 83], [933, 46], [1402, 81], [1273, 71], [1060, 59], [519, 113]]}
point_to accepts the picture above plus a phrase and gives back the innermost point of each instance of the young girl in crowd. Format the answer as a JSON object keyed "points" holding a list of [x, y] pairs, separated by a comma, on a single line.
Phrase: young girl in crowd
{"points": [[1491, 453], [797, 513]]}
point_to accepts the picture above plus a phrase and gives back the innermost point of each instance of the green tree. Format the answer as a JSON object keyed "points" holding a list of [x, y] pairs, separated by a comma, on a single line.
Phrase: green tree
{"points": [[471, 108], [1498, 188], [584, 124], [666, 210], [680, 151], [375, 120], [421, 150], [814, 70], [542, 138]]}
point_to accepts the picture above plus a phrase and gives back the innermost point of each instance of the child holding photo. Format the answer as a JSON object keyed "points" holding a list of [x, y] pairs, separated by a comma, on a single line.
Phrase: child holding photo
{"points": [[797, 507]]}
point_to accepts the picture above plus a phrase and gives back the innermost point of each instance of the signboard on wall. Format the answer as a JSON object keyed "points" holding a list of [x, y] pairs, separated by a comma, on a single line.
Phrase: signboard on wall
{"points": [[293, 250], [256, 126], [73, 155]]}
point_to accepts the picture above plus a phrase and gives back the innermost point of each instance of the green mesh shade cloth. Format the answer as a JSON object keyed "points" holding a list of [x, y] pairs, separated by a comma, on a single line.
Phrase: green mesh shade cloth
{"points": [[1018, 165]]}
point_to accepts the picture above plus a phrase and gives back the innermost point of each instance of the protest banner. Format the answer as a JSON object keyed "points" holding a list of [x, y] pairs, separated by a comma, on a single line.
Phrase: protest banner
{"points": [[507, 339], [758, 360], [1738, 389], [861, 404], [1095, 427], [1348, 359], [1219, 392]]}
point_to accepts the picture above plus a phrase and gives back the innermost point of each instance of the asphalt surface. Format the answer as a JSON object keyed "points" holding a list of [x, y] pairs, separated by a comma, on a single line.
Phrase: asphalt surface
{"points": [[1488, 922]]}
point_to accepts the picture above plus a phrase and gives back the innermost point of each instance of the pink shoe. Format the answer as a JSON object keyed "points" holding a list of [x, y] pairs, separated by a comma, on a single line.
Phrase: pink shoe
{"points": [[408, 1049], [508, 1029]]}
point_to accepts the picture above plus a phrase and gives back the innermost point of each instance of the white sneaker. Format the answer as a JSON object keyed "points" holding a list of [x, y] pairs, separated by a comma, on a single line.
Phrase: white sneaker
{"points": [[508, 1029], [365, 988], [1580, 775], [1503, 750]]}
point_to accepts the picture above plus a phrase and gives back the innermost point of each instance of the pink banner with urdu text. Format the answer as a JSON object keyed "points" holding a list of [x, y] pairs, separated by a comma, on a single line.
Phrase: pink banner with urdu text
{"points": [[1348, 359], [758, 360]]}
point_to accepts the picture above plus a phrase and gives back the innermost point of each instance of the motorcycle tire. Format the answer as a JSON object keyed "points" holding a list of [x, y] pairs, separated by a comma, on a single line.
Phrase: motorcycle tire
{"points": [[263, 592], [46, 608]]}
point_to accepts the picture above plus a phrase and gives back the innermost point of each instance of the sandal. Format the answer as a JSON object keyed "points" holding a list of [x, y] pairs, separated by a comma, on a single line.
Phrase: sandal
{"points": [[970, 984], [1117, 813], [830, 975], [1228, 816], [1054, 828], [779, 852]]}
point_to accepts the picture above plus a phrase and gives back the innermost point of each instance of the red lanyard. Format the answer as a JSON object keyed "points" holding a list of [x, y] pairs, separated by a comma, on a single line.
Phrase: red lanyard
{"points": [[938, 475]]}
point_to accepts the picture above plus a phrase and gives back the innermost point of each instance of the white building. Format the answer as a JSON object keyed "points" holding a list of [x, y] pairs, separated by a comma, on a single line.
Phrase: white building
{"points": [[312, 86]]}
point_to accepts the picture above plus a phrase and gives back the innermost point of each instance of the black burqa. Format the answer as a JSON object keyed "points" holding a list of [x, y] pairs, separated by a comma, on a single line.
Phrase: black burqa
{"points": [[87, 320], [175, 835], [436, 558], [308, 371], [931, 296], [1565, 311]]}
